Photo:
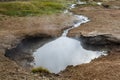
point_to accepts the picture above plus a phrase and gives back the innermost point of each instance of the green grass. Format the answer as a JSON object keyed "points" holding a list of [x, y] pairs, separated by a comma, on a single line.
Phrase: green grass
{"points": [[32, 8], [40, 70]]}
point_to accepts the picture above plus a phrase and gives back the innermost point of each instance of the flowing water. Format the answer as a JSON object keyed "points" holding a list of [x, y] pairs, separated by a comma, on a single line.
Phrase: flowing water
{"points": [[64, 51]]}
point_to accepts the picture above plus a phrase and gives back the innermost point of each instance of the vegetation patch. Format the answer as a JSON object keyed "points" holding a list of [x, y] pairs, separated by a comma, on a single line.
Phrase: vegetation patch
{"points": [[40, 70], [32, 8]]}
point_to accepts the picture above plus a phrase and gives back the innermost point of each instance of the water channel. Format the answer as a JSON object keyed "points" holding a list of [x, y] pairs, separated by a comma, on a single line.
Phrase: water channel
{"points": [[64, 51]]}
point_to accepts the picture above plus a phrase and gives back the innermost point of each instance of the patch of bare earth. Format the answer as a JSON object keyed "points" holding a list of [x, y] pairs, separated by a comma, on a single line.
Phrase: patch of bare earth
{"points": [[104, 68], [102, 21]]}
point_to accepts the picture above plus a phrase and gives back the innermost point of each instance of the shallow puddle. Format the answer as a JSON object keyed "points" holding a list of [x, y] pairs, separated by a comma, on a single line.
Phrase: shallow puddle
{"points": [[58, 54]]}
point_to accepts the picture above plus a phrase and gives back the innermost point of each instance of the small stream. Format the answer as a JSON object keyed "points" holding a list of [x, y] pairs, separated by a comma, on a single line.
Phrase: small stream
{"points": [[64, 51]]}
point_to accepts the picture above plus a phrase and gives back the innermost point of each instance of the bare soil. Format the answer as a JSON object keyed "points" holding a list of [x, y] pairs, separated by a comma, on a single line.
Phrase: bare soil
{"points": [[102, 21], [104, 68]]}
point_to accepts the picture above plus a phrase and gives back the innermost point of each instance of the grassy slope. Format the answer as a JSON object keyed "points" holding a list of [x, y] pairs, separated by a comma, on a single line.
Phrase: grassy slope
{"points": [[33, 7]]}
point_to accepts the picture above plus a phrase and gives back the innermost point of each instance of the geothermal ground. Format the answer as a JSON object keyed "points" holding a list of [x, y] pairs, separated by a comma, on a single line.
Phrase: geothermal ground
{"points": [[103, 30]]}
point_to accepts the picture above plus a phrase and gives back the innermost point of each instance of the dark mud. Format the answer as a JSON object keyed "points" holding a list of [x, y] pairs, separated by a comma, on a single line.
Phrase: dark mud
{"points": [[22, 53], [100, 42]]}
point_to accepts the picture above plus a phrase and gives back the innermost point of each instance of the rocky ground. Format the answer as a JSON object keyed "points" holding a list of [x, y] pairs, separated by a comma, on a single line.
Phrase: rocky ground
{"points": [[104, 20]]}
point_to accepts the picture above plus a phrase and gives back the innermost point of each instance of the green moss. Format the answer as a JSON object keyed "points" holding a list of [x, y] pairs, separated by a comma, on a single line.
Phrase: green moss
{"points": [[40, 70]]}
